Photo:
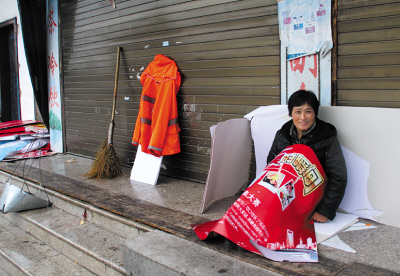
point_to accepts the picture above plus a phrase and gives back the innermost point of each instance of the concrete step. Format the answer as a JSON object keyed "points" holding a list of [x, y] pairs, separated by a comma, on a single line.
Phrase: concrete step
{"points": [[107, 220], [91, 246], [24, 254], [94, 244]]}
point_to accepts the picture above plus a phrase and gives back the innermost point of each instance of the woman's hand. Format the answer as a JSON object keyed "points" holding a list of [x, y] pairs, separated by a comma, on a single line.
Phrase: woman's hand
{"points": [[318, 217]]}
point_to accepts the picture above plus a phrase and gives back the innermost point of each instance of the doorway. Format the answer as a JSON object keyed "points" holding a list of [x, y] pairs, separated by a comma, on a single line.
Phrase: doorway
{"points": [[9, 91]]}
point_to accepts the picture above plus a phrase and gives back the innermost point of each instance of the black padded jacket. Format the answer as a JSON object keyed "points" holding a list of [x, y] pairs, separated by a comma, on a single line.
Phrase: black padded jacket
{"points": [[323, 141]]}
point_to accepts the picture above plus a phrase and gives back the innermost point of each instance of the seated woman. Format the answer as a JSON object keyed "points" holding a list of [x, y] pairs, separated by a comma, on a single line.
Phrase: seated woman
{"points": [[305, 128]]}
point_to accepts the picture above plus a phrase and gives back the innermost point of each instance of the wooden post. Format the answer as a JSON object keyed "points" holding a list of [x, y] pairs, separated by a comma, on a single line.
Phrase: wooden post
{"points": [[334, 53]]}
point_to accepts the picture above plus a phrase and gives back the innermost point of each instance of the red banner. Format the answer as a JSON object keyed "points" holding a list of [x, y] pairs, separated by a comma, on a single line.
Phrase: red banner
{"points": [[273, 214]]}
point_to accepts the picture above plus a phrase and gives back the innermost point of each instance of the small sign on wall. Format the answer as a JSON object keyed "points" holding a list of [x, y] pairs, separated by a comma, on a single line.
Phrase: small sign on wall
{"points": [[53, 66]]}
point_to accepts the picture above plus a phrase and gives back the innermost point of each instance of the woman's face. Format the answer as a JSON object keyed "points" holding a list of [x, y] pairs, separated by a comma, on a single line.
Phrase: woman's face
{"points": [[303, 118]]}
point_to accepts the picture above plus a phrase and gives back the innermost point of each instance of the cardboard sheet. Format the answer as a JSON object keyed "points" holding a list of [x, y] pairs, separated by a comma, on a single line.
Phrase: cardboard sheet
{"points": [[328, 229], [355, 200], [146, 168], [372, 134], [265, 122], [230, 160], [359, 195], [337, 243], [359, 226]]}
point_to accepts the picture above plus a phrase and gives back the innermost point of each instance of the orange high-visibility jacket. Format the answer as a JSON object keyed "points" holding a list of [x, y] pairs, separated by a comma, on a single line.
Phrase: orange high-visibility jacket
{"points": [[157, 129]]}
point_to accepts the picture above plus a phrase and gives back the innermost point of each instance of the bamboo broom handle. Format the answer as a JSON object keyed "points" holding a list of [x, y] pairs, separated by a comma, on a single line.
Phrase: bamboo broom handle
{"points": [[111, 127]]}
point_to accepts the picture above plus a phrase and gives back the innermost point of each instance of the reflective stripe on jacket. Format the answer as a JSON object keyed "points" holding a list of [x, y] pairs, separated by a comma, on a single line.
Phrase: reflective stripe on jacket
{"points": [[157, 129]]}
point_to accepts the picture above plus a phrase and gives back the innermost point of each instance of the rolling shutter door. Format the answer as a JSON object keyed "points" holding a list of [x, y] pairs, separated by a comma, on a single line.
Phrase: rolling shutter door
{"points": [[369, 53], [227, 52]]}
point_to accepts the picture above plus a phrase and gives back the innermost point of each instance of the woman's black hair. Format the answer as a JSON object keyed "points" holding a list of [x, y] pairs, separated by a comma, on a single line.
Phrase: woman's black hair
{"points": [[301, 97]]}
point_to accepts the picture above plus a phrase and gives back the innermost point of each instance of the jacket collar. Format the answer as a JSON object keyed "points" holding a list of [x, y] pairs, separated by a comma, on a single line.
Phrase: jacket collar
{"points": [[322, 130], [304, 138]]}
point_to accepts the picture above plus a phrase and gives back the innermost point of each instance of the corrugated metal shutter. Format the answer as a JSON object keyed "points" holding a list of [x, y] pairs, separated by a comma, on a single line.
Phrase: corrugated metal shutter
{"points": [[227, 52], [369, 53]]}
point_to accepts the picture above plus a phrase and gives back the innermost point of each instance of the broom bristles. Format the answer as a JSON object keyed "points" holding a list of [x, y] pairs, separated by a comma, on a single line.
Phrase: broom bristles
{"points": [[106, 165]]}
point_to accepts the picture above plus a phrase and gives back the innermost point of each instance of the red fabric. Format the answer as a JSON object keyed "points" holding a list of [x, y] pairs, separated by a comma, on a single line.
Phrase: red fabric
{"points": [[275, 210], [157, 129], [17, 123]]}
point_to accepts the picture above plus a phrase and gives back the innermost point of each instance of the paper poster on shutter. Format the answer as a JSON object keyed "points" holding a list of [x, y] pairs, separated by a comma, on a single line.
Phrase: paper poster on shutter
{"points": [[303, 74], [305, 26]]}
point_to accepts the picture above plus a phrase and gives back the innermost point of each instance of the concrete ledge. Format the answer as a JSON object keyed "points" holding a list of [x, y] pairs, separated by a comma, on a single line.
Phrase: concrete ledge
{"points": [[160, 253], [9, 267]]}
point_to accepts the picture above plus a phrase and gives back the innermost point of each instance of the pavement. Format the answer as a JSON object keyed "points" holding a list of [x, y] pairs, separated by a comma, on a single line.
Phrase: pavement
{"points": [[173, 204]]}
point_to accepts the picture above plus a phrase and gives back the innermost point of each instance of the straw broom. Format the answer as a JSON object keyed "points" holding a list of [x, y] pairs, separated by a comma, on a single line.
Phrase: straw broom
{"points": [[107, 165]]}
